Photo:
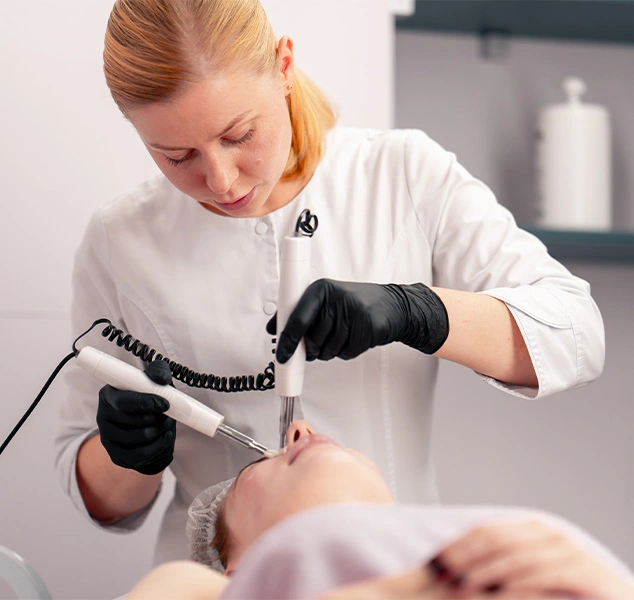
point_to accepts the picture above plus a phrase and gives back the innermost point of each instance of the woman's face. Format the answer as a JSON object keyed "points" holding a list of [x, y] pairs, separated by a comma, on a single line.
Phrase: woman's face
{"points": [[314, 471], [225, 141]]}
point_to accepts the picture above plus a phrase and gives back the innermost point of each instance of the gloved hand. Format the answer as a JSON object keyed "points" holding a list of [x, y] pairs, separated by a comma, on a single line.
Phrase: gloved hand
{"points": [[344, 319], [133, 429]]}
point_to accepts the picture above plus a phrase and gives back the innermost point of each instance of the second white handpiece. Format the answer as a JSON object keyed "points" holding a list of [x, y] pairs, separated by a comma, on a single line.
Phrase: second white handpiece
{"points": [[294, 279]]}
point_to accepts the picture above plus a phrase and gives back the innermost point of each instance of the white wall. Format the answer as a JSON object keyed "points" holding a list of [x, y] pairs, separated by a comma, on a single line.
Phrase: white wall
{"points": [[572, 453], [65, 150]]}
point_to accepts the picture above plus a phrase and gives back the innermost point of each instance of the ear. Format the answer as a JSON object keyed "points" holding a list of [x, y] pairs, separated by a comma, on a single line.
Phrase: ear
{"points": [[231, 566], [235, 552], [286, 62]]}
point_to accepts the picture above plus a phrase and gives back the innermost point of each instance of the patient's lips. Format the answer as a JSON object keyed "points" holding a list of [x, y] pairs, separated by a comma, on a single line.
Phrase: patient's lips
{"points": [[304, 442]]}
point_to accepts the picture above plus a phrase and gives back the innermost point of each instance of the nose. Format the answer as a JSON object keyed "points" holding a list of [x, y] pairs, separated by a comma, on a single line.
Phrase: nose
{"points": [[297, 430], [220, 173]]}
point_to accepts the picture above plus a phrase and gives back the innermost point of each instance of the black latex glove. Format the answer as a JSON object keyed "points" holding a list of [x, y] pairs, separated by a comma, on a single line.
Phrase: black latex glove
{"points": [[344, 319], [133, 429]]}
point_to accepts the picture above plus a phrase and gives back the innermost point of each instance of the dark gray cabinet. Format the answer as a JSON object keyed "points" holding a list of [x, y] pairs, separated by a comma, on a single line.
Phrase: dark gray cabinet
{"points": [[608, 21]]}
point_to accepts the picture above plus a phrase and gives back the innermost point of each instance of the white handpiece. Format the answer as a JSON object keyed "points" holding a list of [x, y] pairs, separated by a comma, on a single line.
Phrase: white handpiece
{"points": [[294, 279], [123, 376]]}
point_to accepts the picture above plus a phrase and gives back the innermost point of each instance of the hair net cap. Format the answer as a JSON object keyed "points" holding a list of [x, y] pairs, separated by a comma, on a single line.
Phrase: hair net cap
{"points": [[201, 524]]}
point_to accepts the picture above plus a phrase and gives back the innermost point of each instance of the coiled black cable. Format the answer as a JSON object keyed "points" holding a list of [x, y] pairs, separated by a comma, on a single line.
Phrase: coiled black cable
{"points": [[241, 383], [306, 223]]}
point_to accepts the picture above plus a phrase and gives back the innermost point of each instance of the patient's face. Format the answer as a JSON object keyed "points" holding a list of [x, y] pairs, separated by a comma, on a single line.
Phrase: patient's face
{"points": [[315, 470]]}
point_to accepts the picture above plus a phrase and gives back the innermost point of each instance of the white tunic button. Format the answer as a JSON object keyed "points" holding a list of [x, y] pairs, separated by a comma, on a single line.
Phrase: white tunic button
{"points": [[261, 228], [270, 308]]}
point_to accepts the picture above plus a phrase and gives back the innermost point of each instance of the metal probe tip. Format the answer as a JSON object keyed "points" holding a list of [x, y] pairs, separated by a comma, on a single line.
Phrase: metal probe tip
{"points": [[286, 418], [246, 441]]}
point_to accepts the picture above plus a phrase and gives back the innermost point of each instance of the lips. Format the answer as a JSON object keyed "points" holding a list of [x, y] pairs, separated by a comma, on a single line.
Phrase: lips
{"points": [[235, 201], [305, 442], [236, 205]]}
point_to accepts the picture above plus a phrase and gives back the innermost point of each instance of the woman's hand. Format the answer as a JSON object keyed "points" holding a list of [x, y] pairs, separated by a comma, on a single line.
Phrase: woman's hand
{"points": [[526, 559], [512, 560], [420, 584], [133, 427], [344, 319]]}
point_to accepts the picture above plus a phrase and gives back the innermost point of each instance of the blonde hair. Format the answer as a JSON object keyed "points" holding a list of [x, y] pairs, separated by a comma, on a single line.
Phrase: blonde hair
{"points": [[154, 48]]}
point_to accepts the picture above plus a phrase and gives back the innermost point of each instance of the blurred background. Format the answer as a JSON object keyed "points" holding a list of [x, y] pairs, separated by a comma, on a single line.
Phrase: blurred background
{"points": [[475, 75]]}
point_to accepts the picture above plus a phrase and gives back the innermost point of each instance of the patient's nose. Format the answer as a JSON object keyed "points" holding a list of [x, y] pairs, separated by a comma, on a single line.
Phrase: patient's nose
{"points": [[297, 430]]}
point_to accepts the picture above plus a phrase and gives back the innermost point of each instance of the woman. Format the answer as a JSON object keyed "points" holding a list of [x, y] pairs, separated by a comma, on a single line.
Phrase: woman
{"points": [[320, 520], [410, 248]]}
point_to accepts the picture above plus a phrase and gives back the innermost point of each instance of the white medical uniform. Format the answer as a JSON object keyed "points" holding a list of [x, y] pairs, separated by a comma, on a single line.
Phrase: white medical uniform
{"points": [[199, 288]]}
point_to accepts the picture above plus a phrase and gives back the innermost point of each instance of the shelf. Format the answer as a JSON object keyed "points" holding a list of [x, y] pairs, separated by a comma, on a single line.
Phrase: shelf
{"points": [[610, 21], [606, 247]]}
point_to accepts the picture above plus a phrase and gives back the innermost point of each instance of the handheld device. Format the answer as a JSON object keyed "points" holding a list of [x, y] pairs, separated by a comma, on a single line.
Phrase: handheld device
{"points": [[294, 278], [183, 408]]}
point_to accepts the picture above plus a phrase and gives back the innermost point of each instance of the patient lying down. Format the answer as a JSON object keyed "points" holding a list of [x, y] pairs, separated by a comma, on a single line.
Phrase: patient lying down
{"points": [[319, 522]]}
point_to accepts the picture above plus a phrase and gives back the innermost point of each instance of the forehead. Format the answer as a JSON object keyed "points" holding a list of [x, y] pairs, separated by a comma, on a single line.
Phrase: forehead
{"points": [[203, 108], [224, 89]]}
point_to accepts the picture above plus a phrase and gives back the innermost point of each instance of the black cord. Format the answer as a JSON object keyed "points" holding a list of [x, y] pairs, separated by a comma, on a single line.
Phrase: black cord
{"points": [[306, 223], [36, 401], [31, 408], [97, 322]]}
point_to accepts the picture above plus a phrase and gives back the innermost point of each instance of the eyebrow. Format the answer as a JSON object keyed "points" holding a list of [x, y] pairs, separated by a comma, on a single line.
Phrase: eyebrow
{"points": [[229, 127]]}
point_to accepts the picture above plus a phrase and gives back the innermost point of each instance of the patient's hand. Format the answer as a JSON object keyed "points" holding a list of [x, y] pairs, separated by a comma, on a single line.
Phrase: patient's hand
{"points": [[421, 584], [506, 561], [527, 557]]}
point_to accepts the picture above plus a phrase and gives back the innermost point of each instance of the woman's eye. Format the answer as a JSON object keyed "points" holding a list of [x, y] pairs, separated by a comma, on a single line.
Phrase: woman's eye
{"points": [[179, 161], [245, 138]]}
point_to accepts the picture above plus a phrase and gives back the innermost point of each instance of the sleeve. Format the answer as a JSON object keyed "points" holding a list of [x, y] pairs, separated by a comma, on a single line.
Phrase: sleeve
{"points": [[478, 247], [94, 297]]}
